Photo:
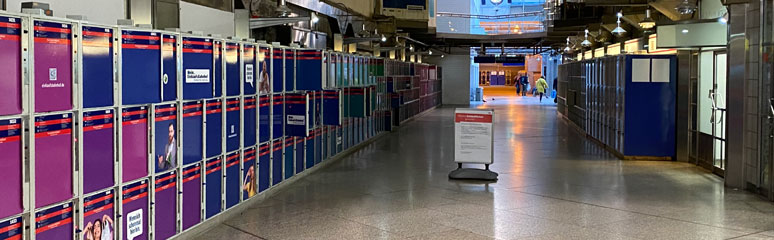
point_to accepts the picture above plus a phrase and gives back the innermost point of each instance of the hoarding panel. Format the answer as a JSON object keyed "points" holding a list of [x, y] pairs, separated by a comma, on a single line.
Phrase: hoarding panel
{"points": [[264, 70], [299, 154], [232, 179], [290, 70], [264, 167], [278, 70], [310, 70], [276, 161], [289, 157], [296, 114], [278, 116], [217, 69], [264, 118], [250, 70], [98, 216]]}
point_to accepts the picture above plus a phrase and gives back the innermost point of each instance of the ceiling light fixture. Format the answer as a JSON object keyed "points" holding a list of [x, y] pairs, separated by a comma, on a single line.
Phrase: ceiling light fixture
{"points": [[586, 42], [315, 19], [686, 8], [647, 22], [567, 48], [723, 19], [619, 31]]}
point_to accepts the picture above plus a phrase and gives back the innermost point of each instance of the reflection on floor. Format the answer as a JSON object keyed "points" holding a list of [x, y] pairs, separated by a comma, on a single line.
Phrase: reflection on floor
{"points": [[554, 184]]}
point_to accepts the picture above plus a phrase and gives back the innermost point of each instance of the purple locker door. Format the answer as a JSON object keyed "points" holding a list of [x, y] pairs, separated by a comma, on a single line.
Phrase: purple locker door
{"points": [[98, 213], [165, 211], [192, 195], [10, 65], [55, 222], [97, 150], [135, 210], [135, 138], [53, 66], [10, 167], [53, 159]]}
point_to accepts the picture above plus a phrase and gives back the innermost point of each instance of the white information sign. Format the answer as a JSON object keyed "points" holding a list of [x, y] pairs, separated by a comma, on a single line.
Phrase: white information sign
{"points": [[134, 224], [296, 120], [197, 76], [249, 74], [473, 135]]}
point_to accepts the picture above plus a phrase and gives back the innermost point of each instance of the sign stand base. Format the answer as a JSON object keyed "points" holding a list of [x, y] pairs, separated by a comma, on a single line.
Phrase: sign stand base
{"points": [[473, 174]]}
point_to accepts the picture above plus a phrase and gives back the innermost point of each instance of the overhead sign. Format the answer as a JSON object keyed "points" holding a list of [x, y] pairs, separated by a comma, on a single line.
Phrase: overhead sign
{"points": [[473, 135]]}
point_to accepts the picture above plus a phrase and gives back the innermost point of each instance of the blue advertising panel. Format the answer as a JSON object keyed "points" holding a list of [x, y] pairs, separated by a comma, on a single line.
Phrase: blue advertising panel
{"points": [[165, 131], [165, 205], [299, 154], [98, 216], [276, 161], [53, 159], [217, 69], [11, 167], [331, 106], [193, 131], [249, 69], [97, 150], [309, 70], [192, 195], [140, 67], [264, 70], [264, 118], [289, 160], [232, 179], [278, 70], [97, 70], [197, 68], [233, 87], [290, 70], [250, 121], [278, 116], [264, 167], [232, 124], [55, 222], [169, 67], [213, 187], [296, 114], [214, 115], [135, 210], [309, 156], [249, 177]]}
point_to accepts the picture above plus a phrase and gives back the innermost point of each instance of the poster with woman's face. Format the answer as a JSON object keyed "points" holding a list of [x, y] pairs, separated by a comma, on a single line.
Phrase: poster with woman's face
{"points": [[98, 217], [264, 80], [249, 176]]}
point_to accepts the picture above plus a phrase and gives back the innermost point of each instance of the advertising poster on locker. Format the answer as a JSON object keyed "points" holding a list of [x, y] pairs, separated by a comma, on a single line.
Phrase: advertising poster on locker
{"points": [[264, 168], [192, 195], [193, 131], [309, 156], [97, 66], [97, 151], [290, 70], [249, 177], [278, 116], [217, 70], [264, 118], [169, 70], [53, 159], [250, 79], [276, 162], [213, 186], [299, 154], [135, 211], [278, 70], [296, 114], [289, 160], [232, 179], [11, 228], [264, 68], [310, 70], [11, 167], [233, 126], [11, 67], [140, 67], [55, 222], [98, 216], [232, 70], [165, 205], [134, 137], [165, 134], [197, 68], [214, 133], [250, 120], [53, 66]]}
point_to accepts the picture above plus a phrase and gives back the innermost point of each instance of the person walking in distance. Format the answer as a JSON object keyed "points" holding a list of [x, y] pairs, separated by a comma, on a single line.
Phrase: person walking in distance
{"points": [[541, 86], [524, 81]]}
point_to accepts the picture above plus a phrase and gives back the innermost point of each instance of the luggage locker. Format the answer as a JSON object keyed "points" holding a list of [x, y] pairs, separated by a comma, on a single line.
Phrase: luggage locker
{"points": [[98, 210], [290, 69], [214, 123], [165, 139], [318, 157], [264, 118], [249, 173], [310, 70], [249, 69], [263, 71], [197, 68], [299, 154], [192, 195], [276, 162], [169, 63], [264, 167], [141, 67], [165, 205], [278, 70], [97, 141], [135, 208], [232, 179], [11, 228], [134, 142], [193, 132], [11, 63], [233, 125], [52, 65], [296, 114], [97, 65], [233, 72], [289, 157], [213, 187], [217, 67], [278, 116], [53, 145], [11, 167], [309, 156], [250, 121], [55, 222]]}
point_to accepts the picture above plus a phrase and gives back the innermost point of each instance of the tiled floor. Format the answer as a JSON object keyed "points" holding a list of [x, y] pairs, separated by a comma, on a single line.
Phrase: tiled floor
{"points": [[554, 184]]}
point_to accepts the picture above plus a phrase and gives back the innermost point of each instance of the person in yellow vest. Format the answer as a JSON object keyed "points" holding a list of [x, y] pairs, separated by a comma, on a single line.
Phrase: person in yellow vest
{"points": [[541, 85]]}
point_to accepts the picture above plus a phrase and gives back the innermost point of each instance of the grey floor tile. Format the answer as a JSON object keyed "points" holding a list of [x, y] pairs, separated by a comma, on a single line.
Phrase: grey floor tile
{"points": [[221, 231], [663, 228], [451, 235]]}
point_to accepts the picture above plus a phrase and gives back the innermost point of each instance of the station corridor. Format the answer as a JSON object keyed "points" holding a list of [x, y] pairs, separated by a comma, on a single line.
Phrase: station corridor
{"points": [[553, 184]]}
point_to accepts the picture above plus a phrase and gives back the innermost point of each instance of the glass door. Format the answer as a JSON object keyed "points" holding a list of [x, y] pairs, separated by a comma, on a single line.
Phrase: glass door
{"points": [[718, 119], [711, 99]]}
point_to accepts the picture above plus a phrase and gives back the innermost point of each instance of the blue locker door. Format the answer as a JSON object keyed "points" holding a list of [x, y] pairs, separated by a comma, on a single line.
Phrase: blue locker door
{"points": [[299, 154], [249, 173], [214, 127], [264, 167], [278, 70], [276, 161], [97, 67], [249, 69], [217, 68], [232, 179], [197, 68], [290, 70], [213, 187], [232, 70], [289, 157], [232, 124], [192, 132], [263, 71], [140, 67], [264, 118], [318, 136], [309, 158], [278, 116], [250, 121], [169, 58]]}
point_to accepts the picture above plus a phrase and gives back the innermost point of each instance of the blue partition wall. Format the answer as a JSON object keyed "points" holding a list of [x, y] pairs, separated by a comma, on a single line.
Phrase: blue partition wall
{"points": [[169, 62], [197, 68], [140, 67], [97, 71]]}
